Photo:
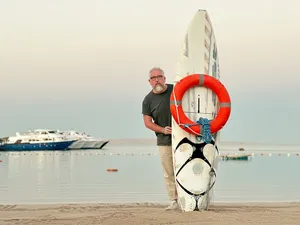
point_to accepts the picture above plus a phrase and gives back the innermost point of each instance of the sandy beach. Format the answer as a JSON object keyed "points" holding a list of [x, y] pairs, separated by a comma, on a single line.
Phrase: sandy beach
{"points": [[144, 214]]}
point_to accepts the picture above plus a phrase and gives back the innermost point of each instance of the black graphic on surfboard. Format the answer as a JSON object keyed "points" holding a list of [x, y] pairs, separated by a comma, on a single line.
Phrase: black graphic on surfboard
{"points": [[197, 153]]}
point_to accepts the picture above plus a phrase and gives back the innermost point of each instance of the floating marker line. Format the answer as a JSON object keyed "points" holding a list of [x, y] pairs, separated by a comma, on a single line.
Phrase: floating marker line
{"points": [[250, 154]]}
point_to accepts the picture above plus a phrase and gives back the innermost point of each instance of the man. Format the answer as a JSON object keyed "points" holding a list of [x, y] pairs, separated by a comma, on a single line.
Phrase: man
{"points": [[157, 117]]}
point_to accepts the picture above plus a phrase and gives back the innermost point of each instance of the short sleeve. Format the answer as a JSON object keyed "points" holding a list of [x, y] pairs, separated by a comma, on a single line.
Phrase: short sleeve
{"points": [[146, 107]]}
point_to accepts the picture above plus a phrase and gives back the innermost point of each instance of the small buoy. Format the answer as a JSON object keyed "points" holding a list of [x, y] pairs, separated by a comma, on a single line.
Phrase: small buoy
{"points": [[112, 170], [0, 160]]}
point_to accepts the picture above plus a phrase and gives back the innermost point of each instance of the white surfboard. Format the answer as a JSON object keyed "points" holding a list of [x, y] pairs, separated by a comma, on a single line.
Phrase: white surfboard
{"points": [[195, 172]]}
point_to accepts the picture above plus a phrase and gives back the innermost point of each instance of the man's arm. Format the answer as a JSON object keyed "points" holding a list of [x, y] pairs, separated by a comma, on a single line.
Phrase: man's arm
{"points": [[151, 125]]}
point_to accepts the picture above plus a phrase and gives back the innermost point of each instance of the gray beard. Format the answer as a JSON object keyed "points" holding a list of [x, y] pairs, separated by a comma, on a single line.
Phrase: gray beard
{"points": [[158, 88]]}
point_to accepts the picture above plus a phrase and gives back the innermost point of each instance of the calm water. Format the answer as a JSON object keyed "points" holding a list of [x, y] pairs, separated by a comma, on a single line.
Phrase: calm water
{"points": [[81, 176]]}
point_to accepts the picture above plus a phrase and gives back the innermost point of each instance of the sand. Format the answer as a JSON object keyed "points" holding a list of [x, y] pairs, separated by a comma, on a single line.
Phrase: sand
{"points": [[144, 214]]}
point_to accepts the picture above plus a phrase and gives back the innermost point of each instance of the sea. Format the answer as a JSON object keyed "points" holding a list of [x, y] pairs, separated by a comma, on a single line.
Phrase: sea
{"points": [[80, 176]]}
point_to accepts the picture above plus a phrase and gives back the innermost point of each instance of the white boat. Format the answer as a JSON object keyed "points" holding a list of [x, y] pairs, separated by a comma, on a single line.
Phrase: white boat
{"points": [[35, 140], [83, 140]]}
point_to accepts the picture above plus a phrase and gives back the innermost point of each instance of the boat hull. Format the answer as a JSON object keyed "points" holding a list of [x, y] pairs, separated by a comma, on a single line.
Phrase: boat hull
{"points": [[63, 145], [88, 145], [77, 144], [104, 143]]}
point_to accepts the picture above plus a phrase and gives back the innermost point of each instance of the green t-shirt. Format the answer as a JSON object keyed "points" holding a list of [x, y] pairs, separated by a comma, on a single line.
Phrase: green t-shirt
{"points": [[158, 107]]}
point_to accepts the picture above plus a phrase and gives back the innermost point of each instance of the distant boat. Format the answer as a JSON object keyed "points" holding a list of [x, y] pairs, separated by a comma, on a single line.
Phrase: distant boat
{"points": [[236, 157], [83, 140], [35, 141]]}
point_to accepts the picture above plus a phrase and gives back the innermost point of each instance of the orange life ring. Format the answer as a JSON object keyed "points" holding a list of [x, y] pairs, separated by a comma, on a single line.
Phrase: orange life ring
{"points": [[206, 81]]}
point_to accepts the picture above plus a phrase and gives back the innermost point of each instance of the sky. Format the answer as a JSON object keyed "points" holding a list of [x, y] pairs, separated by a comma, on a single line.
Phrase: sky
{"points": [[83, 65]]}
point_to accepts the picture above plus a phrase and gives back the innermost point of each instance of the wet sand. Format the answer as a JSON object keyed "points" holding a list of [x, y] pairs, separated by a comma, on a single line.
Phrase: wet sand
{"points": [[146, 214]]}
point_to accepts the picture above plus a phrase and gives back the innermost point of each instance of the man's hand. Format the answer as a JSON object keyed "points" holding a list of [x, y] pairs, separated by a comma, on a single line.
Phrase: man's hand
{"points": [[167, 130]]}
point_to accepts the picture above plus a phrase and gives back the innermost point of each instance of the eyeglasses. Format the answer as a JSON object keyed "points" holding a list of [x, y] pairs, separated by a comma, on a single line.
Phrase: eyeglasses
{"points": [[158, 77]]}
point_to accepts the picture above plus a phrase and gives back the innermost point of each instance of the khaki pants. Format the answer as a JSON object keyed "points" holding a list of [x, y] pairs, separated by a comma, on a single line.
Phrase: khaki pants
{"points": [[166, 159]]}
